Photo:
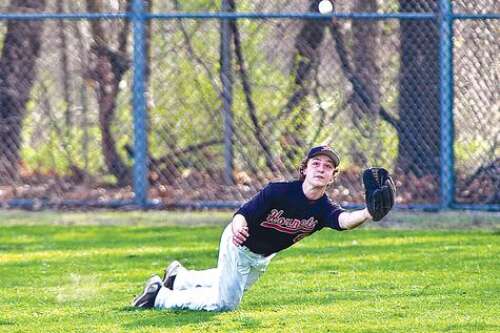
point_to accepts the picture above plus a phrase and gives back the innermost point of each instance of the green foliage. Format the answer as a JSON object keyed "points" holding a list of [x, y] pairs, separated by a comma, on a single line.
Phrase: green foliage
{"points": [[185, 88], [183, 112], [470, 152], [78, 272], [47, 151]]}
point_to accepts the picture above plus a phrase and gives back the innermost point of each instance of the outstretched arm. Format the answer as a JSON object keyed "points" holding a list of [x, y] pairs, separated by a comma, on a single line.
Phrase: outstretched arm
{"points": [[353, 219]]}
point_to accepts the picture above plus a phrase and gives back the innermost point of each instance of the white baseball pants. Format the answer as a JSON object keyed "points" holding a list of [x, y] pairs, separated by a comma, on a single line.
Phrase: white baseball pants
{"points": [[216, 289]]}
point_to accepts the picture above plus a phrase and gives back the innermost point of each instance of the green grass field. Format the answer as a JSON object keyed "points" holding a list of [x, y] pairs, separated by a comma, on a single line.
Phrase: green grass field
{"points": [[76, 272]]}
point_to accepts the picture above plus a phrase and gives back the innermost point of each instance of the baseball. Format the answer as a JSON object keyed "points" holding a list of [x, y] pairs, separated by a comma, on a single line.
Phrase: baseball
{"points": [[325, 7]]}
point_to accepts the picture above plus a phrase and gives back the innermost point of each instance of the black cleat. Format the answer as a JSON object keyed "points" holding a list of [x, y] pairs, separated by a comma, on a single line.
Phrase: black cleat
{"points": [[146, 300], [170, 274]]}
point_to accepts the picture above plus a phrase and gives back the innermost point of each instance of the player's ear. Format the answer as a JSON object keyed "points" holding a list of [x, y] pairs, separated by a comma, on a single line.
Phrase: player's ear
{"points": [[302, 174], [335, 173]]}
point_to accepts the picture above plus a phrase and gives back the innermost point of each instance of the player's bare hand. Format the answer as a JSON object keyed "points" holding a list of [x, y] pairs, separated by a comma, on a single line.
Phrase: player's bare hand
{"points": [[240, 235]]}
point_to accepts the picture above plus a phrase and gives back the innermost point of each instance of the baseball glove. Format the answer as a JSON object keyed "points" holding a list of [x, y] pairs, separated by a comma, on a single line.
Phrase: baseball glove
{"points": [[379, 192]]}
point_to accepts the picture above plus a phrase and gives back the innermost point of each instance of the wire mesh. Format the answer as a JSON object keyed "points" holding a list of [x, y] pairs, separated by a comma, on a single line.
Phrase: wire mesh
{"points": [[218, 133], [477, 112]]}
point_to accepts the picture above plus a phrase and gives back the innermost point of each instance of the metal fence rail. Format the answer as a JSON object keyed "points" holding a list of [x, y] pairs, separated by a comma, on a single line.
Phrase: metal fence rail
{"points": [[199, 105]]}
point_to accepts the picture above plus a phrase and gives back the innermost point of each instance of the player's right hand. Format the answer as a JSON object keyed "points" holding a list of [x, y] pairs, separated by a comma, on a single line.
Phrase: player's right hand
{"points": [[240, 233]]}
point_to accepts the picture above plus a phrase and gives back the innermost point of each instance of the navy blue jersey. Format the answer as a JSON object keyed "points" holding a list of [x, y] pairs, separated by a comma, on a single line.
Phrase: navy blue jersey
{"points": [[281, 215]]}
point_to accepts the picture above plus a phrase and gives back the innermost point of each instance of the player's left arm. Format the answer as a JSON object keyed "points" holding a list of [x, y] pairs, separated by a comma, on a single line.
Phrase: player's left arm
{"points": [[352, 219]]}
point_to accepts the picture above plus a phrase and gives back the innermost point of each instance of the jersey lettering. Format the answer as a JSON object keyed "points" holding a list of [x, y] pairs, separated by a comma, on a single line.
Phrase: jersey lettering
{"points": [[275, 220]]}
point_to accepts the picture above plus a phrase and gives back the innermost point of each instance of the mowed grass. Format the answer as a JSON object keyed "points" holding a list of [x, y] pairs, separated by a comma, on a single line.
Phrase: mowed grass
{"points": [[75, 272]]}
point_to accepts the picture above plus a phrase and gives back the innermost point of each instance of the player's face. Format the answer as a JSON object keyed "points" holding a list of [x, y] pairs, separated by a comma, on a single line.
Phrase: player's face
{"points": [[320, 171]]}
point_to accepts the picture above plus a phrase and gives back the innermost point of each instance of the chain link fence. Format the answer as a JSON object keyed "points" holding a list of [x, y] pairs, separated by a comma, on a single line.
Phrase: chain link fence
{"points": [[235, 103]]}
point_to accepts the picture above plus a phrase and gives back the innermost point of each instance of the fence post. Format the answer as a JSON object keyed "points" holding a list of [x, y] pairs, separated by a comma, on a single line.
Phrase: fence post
{"points": [[446, 103], [227, 93], [140, 169]]}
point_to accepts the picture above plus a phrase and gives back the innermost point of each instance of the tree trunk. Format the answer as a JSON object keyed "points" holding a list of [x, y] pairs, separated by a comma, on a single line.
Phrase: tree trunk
{"points": [[366, 35], [108, 69], [419, 141], [21, 49]]}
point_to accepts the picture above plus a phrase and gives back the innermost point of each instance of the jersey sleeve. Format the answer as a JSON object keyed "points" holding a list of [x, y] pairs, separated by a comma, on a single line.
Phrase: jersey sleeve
{"points": [[260, 204], [332, 216]]}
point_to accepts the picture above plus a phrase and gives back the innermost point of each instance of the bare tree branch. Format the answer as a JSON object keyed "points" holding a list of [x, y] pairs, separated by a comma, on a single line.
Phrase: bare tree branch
{"points": [[247, 89], [193, 54]]}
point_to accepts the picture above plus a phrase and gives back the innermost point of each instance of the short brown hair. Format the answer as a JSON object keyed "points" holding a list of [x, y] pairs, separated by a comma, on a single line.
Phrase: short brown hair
{"points": [[302, 167]]}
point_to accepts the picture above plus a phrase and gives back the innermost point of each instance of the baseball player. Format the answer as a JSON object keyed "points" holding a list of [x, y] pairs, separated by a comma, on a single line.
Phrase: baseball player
{"points": [[277, 217]]}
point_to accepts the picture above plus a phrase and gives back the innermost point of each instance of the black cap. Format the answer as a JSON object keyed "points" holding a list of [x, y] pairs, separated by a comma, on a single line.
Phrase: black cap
{"points": [[327, 151]]}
